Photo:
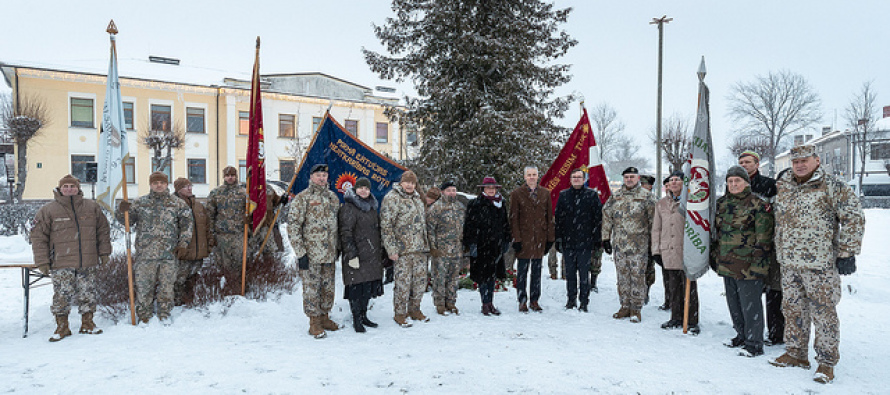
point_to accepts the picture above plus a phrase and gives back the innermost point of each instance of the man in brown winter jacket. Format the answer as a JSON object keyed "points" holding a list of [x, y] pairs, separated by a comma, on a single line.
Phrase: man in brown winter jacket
{"points": [[70, 237], [532, 227], [191, 259]]}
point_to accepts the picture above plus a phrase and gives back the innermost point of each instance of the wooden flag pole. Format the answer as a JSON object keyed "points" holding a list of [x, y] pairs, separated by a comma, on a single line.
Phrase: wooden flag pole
{"points": [[244, 253], [686, 307], [129, 254]]}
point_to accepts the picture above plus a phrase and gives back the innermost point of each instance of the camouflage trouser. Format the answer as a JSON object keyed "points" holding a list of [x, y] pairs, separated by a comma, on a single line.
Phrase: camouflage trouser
{"points": [[74, 286], [553, 264], [185, 273], [228, 251], [410, 282], [811, 296], [445, 272], [318, 288], [154, 279], [631, 269], [510, 259], [596, 262]]}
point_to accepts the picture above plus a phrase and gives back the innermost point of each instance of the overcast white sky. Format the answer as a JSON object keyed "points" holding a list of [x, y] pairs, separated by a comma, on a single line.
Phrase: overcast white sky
{"points": [[837, 45]]}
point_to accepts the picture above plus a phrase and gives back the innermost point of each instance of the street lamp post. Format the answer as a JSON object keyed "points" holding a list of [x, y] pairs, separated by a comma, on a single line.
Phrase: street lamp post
{"points": [[660, 22]]}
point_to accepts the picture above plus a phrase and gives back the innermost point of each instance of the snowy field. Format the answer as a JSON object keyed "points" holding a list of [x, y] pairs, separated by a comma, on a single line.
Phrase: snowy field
{"points": [[262, 348]]}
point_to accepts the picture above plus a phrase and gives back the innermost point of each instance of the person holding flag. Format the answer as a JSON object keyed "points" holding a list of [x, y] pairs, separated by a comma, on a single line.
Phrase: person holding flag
{"points": [[226, 211]]}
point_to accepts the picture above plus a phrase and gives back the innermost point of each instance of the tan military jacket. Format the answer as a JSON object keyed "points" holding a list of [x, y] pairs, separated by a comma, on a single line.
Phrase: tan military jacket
{"points": [[402, 222], [627, 220], [312, 224]]}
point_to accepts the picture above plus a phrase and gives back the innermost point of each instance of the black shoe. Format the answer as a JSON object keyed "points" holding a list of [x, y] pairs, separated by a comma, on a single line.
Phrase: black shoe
{"points": [[735, 342], [570, 304], [593, 286], [664, 307], [646, 301], [751, 352], [694, 330], [367, 322], [672, 324], [583, 307], [770, 342]]}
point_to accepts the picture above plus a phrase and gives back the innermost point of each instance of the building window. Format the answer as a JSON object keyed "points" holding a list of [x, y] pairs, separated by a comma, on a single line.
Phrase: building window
{"points": [[286, 170], [197, 171], [79, 166], [286, 125], [411, 138], [382, 132], [880, 151], [161, 118], [352, 127], [166, 170], [315, 122], [128, 115], [130, 166], [194, 120], [82, 113], [243, 122], [242, 171]]}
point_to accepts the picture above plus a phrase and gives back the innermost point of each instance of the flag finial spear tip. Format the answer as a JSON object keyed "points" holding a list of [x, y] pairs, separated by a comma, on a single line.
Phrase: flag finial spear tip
{"points": [[258, 42], [112, 28], [701, 69]]}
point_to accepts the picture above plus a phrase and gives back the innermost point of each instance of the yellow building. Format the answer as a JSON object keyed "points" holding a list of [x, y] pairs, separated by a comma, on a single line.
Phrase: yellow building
{"points": [[210, 106]]}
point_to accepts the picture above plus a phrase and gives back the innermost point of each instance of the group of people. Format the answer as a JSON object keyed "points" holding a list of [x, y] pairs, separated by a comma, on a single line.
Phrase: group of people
{"points": [[790, 238]]}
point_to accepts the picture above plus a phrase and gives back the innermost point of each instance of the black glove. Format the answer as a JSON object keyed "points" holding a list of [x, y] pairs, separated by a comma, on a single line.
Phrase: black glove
{"points": [[517, 245], [548, 246], [303, 262], [472, 252], [597, 245], [124, 206], [657, 259], [712, 262], [607, 247], [846, 266]]}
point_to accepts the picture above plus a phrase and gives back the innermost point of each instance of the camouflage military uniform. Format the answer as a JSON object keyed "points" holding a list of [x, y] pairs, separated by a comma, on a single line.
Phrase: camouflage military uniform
{"points": [[817, 221], [78, 285], [627, 222], [225, 207], [162, 223], [312, 229], [444, 225], [403, 228]]}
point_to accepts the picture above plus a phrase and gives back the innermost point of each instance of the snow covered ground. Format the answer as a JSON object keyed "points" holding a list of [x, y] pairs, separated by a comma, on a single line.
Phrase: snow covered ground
{"points": [[261, 348]]}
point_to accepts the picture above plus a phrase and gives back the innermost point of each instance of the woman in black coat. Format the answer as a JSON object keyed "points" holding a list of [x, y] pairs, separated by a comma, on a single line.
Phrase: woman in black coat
{"points": [[487, 237], [362, 253]]}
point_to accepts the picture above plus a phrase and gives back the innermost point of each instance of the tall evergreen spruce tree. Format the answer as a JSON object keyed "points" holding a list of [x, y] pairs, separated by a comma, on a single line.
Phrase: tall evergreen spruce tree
{"points": [[485, 78]]}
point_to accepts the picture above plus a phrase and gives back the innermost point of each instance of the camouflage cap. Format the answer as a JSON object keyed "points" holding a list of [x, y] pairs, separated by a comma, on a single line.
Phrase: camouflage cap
{"points": [[803, 151]]}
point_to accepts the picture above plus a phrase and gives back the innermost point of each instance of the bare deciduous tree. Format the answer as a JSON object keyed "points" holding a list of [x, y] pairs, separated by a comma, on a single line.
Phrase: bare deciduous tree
{"points": [[626, 154], [23, 118], [607, 129], [162, 139], [675, 140], [862, 117], [774, 107], [741, 143]]}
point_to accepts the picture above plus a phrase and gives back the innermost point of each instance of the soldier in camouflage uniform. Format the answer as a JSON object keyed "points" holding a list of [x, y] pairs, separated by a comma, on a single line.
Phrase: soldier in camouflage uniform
{"points": [[627, 220], [444, 225], [69, 239], [740, 245], [403, 228], [312, 228], [226, 209], [164, 229], [199, 247], [819, 229]]}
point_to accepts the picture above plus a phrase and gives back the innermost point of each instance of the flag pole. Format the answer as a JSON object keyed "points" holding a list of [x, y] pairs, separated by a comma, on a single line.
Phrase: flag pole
{"points": [[686, 306], [256, 63], [112, 30], [277, 212]]}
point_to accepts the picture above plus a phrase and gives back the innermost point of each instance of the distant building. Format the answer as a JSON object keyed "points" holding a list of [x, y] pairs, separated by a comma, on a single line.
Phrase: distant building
{"points": [[211, 106]]}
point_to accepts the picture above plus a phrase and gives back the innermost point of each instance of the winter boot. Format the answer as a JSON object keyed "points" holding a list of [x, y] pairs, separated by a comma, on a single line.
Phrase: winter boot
{"points": [[523, 308], [365, 320], [553, 276], [402, 320], [417, 315], [824, 374], [622, 313], [493, 310], [535, 306], [452, 308], [593, 286], [315, 328], [751, 351], [583, 307], [441, 309], [486, 309], [665, 306], [356, 307], [735, 342], [328, 324], [674, 324], [62, 330], [570, 304], [635, 316], [786, 360], [87, 326]]}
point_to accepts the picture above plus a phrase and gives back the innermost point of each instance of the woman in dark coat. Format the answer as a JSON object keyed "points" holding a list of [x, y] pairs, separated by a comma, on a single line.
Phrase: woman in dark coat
{"points": [[362, 253], [487, 237]]}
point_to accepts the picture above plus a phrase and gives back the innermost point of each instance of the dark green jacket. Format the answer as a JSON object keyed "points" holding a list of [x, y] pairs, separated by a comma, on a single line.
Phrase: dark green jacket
{"points": [[743, 236]]}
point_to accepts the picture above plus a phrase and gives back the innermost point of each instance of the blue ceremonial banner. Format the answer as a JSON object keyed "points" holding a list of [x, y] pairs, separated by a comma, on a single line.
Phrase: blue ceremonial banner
{"points": [[348, 159]]}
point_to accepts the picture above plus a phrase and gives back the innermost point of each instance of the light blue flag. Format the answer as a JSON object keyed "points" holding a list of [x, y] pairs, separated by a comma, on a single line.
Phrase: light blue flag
{"points": [[114, 149]]}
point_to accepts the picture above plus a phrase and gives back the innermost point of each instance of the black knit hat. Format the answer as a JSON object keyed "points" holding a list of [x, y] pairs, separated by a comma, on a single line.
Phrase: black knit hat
{"points": [[447, 184], [738, 171], [363, 182]]}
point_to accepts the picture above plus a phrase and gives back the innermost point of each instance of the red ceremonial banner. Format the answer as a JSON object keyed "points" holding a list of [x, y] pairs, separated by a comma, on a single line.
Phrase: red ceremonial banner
{"points": [[579, 152], [256, 154]]}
